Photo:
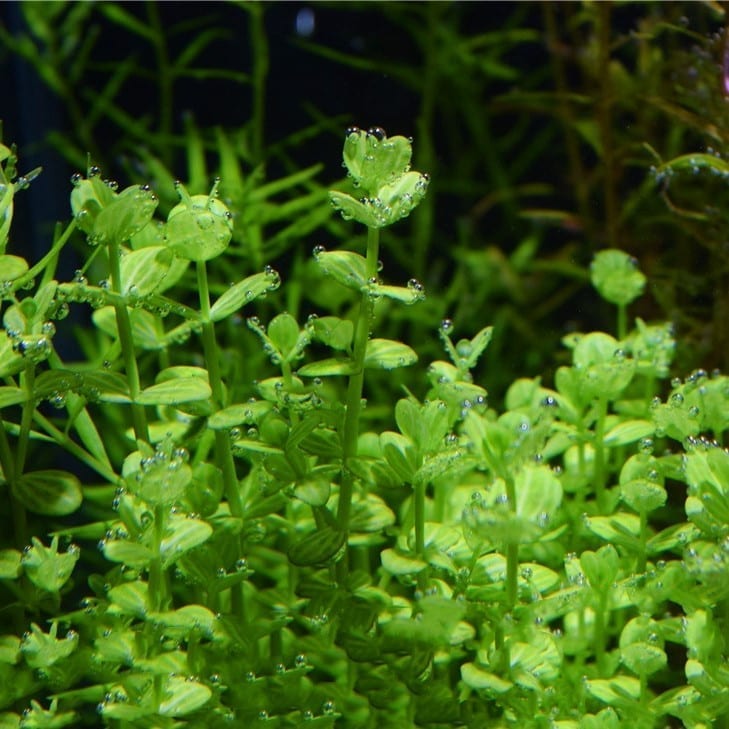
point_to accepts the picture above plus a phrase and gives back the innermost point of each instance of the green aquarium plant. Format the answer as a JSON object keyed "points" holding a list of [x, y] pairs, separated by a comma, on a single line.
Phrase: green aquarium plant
{"points": [[216, 515]]}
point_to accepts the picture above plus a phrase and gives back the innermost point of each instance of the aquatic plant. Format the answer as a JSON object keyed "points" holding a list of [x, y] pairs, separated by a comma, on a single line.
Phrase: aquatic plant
{"points": [[238, 497], [280, 550]]}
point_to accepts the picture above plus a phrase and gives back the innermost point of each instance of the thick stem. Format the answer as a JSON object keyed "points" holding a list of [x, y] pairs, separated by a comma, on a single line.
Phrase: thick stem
{"points": [[356, 385], [156, 582], [124, 326]]}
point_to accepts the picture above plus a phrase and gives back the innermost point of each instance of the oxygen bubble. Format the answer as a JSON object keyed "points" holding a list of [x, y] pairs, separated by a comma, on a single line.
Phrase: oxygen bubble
{"points": [[378, 133], [318, 250], [328, 707], [645, 446], [676, 399], [300, 660], [416, 286], [446, 326], [94, 171]]}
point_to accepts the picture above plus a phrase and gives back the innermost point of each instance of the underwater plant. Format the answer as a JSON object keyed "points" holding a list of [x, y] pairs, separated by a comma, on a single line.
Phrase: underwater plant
{"points": [[252, 473], [305, 556]]}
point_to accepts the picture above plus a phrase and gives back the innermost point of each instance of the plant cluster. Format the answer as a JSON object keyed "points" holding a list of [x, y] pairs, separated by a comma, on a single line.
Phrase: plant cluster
{"points": [[289, 550]]}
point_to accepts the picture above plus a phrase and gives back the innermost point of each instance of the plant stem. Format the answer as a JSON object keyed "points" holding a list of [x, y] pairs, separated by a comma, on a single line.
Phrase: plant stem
{"points": [[419, 502], [355, 388], [47, 263], [156, 578], [642, 555], [600, 633], [622, 321], [27, 381], [124, 326], [512, 549], [212, 358], [223, 453], [68, 444], [19, 515], [600, 468]]}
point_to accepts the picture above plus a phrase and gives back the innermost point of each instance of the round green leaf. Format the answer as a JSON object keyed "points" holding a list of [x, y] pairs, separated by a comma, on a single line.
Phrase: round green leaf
{"points": [[320, 547], [616, 277], [12, 267], [49, 492]]}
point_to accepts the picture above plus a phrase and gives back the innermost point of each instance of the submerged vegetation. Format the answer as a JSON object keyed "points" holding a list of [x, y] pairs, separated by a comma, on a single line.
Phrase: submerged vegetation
{"points": [[441, 442]]}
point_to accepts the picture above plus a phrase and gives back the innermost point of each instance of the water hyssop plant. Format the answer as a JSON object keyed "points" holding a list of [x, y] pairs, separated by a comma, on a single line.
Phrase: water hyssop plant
{"points": [[200, 533]]}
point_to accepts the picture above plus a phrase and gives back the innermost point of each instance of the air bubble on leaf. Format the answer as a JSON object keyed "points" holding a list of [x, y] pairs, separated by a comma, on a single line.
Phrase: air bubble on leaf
{"points": [[79, 278], [676, 399], [263, 715], [328, 707], [645, 446], [446, 326], [693, 411], [318, 250], [76, 179]]}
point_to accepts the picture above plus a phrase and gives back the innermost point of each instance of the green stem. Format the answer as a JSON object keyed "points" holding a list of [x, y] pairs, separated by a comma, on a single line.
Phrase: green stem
{"points": [[68, 444], [512, 550], [600, 634], [223, 453], [600, 466], [156, 582], [355, 388], [27, 381], [47, 263], [642, 554], [19, 515], [124, 326], [622, 321], [419, 502]]}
